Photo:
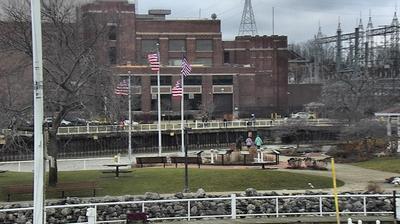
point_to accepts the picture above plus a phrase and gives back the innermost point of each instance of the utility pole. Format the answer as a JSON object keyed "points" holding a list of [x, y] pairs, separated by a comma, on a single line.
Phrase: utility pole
{"points": [[339, 49], [38, 193]]}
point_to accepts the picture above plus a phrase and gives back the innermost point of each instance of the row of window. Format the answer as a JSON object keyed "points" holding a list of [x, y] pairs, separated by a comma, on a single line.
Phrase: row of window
{"points": [[192, 102], [178, 45], [189, 80]]}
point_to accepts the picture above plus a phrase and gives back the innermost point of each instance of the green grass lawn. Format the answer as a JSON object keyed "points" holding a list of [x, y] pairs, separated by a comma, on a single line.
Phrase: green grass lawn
{"points": [[170, 180], [389, 164]]}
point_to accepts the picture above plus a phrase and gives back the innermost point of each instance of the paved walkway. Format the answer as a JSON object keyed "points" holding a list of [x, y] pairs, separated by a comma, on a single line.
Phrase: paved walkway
{"points": [[354, 177]]}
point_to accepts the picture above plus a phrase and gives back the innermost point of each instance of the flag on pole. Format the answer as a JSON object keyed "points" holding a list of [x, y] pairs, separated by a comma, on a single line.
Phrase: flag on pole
{"points": [[186, 68], [154, 62], [122, 88], [177, 89]]}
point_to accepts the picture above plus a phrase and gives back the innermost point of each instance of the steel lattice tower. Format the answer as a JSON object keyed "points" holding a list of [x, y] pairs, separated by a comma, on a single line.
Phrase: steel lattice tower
{"points": [[248, 23]]}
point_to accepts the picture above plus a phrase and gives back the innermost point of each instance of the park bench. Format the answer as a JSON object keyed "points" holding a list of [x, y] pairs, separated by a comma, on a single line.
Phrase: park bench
{"points": [[265, 163], [190, 160], [78, 186], [61, 187], [151, 160]]}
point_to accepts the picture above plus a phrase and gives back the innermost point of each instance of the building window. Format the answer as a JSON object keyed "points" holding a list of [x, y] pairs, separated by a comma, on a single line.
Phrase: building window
{"points": [[112, 32], [112, 55], [203, 62], [204, 45], [222, 80], [166, 104], [136, 80], [147, 47], [193, 80], [227, 57], [175, 62], [164, 80], [177, 45], [136, 103], [192, 101]]}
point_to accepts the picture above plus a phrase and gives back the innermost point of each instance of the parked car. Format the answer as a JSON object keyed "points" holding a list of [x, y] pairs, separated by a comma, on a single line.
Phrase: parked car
{"points": [[304, 115], [65, 123], [126, 122]]}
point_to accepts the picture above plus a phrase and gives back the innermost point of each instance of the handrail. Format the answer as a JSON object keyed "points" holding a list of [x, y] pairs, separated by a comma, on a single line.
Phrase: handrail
{"points": [[197, 125], [234, 201], [174, 126]]}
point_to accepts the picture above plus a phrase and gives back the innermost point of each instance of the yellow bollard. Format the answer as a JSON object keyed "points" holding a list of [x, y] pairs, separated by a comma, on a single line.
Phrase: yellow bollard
{"points": [[335, 191]]}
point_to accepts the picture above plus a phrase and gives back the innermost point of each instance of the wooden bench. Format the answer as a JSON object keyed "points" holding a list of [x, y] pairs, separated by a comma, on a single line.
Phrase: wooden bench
{"points": [[151, 160], [263, 164], [190, 160], [17, 189], [78, 186], [61, 187]]}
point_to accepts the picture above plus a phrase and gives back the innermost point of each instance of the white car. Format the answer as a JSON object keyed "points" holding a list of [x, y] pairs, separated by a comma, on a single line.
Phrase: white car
{"points": [[303, 115], [126, 122]]}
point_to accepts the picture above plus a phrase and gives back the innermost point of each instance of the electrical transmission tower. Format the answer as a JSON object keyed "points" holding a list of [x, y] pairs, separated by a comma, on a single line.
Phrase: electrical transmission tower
{"points": [[248, 23]]}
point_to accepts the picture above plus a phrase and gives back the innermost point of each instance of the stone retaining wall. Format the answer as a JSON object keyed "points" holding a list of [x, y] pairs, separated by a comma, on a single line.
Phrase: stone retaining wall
{"points": [[197, 208]]}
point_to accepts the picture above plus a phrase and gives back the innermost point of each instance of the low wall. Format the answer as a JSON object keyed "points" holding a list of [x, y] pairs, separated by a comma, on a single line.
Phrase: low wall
{"points": [[202, 205]]}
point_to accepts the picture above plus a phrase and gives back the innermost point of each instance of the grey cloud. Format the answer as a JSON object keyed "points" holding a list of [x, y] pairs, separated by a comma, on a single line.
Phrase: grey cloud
{"points": [[298, 19]]}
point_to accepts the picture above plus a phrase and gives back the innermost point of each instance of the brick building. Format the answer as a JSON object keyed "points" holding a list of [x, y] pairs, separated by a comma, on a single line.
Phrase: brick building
{"points": [[244, 76]]}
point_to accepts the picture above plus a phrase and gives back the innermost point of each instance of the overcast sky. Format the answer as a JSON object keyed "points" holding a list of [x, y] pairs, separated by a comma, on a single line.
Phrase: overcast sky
{"points": [[298, 19]]}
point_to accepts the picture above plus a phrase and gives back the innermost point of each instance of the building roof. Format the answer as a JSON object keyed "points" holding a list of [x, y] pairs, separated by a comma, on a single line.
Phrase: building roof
{"points": [[390, 112]]}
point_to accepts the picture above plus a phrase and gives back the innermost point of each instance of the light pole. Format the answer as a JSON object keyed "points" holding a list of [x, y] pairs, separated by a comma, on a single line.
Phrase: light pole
{"points": [[159, 103], [38, 193], [130, 119], [186, 188]]}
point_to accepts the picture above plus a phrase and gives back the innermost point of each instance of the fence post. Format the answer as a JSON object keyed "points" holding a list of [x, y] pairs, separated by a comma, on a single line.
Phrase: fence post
{"points": [[91, 215], [233, 206], [188, 211], [349, 221], [19, 166], [320, 206], [143, 207], [359, 222], [276, 207], [378, 222], [365, 205]]}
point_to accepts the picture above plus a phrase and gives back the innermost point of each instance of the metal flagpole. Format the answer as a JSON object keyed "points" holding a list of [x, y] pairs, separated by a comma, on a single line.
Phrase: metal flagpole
{"points": [[130, 120], [182, 115], [38, 194], [184, 149], [159, 103]]}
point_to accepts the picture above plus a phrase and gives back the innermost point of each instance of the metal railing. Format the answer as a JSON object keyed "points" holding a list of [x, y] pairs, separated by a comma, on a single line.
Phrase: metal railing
{"points": [[234, 201], [171, 126], [197, 125]]}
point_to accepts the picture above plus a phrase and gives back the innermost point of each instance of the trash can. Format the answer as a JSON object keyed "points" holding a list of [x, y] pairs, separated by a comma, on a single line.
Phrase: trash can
{"points": [[136, 217]]}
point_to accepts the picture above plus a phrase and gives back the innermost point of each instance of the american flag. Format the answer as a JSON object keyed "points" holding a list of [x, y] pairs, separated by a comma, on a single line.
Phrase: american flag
{"points": [[154, 62], [177, 89], [122, 88], [186, 68]]}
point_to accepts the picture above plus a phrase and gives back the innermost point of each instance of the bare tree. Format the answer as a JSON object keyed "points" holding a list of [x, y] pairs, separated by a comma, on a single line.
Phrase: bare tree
{"points": [[70, 65], [294, 128], [353, 98]]}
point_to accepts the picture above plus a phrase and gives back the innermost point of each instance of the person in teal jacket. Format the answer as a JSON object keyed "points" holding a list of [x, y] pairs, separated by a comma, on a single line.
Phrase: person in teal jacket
{"points": [[258, 142]]}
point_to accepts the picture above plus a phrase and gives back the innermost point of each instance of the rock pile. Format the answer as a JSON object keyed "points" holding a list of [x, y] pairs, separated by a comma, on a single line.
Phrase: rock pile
{"points": [[197, 208]]}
